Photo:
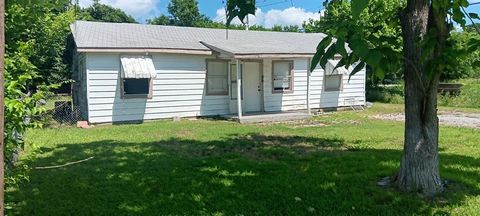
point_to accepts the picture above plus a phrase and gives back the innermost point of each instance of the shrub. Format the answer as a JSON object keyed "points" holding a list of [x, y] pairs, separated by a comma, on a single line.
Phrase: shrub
{"points": [[469, 96], [386, 94]]}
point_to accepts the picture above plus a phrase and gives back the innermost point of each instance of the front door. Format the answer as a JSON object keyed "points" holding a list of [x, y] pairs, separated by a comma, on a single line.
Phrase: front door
{"points": [[252, 87]]}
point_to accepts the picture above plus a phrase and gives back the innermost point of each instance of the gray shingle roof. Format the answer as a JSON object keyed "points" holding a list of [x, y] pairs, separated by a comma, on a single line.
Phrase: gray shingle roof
{"points": [[97, 35]]}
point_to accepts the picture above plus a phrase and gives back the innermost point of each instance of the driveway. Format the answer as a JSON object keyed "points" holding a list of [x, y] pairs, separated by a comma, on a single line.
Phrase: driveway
{"points": [[458, 119]]}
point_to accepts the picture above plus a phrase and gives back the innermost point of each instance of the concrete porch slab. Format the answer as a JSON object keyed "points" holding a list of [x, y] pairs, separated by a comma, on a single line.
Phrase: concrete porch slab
{"points": [[267, 117]]}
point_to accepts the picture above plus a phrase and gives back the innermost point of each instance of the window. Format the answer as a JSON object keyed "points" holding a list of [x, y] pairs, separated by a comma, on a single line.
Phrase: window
{"points": [[282, 76], [217, 78], [233, 80], [137, 75], [137, 88], [333, 82]]}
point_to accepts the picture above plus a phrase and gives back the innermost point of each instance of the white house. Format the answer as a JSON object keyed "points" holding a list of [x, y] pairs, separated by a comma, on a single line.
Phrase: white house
{"points": [[132, 72]]}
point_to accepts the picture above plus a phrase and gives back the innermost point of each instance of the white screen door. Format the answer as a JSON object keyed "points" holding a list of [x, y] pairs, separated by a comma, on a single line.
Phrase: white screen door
{"points": [[252, 87]]}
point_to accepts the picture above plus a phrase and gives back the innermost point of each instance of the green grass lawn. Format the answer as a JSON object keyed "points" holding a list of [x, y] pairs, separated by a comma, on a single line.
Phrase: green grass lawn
{"points": [[329, 166]]}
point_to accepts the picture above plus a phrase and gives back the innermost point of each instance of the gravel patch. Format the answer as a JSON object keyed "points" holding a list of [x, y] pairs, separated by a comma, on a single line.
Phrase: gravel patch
{"points": [[457, 119]]}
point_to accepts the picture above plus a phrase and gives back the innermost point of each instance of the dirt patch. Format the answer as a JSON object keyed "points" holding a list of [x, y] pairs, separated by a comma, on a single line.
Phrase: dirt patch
{"points": [[458, 119]]}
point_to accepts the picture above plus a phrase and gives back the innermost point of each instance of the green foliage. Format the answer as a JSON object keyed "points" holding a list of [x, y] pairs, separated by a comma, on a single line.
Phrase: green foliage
{"points": [[184, 12], [240, 9], [392, 94], [383, 51], [469, 96], [104, 13], [45, 27], [464, 56], [36, 35], [372, 32], [289, 28], [160, 20]]}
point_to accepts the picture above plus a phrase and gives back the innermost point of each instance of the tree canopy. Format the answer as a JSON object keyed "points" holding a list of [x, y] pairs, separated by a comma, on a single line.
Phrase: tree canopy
{"points": [[377, 26], [36, 34], [187, 13], [104, 13], [465, 60], [184, 12]]}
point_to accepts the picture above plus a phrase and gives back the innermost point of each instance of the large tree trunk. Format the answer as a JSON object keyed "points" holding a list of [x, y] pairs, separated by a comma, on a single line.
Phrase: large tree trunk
{"points": [[419, 168]]}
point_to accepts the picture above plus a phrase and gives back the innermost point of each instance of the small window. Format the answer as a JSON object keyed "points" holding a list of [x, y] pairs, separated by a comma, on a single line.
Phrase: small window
{"points": [[233, 80], [217, 78], [137, 88], [282, 76], [333, 82]]}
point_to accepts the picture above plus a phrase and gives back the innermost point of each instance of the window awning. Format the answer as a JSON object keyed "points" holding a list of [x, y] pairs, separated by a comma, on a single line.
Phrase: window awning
{"points": [[138, 67], [331, 66]]}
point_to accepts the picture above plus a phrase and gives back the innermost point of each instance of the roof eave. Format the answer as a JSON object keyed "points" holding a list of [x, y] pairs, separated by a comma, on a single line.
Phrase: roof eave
{"points": [[272, 55], [220, 51], [145, 50]]}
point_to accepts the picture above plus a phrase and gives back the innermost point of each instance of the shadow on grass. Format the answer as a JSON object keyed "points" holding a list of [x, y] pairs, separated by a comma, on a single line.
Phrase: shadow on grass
{"points": [[245, 174]]}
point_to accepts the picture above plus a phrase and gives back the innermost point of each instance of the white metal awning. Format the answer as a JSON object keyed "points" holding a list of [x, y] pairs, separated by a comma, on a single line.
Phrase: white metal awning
{"points": [[331, 66], [138, 67]]}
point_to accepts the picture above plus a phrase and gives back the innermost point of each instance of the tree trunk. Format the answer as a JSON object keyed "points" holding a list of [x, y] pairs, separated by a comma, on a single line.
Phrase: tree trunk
{"points": [[419, 168], [2, 104]]}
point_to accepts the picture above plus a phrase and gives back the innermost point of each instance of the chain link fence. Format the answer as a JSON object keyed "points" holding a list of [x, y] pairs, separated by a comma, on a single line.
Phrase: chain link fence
{"points": [[60, 111]]}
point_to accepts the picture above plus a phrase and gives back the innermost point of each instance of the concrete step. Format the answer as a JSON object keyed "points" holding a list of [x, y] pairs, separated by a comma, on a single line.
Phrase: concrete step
{"points": [[271, 117]]}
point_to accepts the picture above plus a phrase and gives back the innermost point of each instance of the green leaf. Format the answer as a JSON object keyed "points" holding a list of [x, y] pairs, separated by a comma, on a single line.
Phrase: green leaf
{"points": [[324, 43], [464, 3], [340, 63], [473, 15], [380, 73], [458, 16], [328, 55], [358, 6], [341, 48], [240, 9], [315, 60], [231, 16], [360, 47], [358, 68], [374, 59]]}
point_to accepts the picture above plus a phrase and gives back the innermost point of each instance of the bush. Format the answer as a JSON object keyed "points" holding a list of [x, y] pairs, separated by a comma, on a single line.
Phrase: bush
{"points": [[469, 96], [386, 94]]}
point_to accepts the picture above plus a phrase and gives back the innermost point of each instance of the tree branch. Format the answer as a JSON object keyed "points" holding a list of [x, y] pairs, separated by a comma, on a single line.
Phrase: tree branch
{"points": [[471, 20], [416, 73], [64, 165]]}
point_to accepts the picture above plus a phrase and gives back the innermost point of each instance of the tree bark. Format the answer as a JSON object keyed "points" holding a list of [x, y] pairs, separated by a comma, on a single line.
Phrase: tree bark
{"points": [[419, 168]]}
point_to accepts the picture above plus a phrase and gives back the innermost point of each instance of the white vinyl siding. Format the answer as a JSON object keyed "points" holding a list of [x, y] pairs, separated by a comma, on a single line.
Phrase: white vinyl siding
{"points": [[178, 90], [355, 89]]}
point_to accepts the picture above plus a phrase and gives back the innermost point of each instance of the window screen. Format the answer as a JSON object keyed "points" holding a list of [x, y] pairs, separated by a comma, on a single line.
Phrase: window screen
{"points": [[333, 82], [136, 86], [217, 78], [282, 76]]}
